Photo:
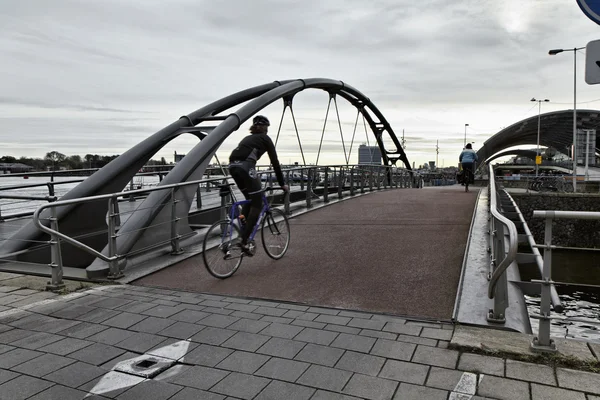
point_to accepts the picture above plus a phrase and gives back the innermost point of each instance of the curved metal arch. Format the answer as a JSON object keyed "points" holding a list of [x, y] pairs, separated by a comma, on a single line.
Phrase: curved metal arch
{"points": [[556, 130], [515, 152], [82, 220]]}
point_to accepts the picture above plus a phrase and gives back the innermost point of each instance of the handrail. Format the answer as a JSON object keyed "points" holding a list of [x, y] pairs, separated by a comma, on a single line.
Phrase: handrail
{"points": [[567, 214], [512, 237]]}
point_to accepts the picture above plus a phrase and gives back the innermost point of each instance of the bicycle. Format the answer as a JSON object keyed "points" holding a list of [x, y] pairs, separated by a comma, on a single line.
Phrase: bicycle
{"points": [[223, 239]]}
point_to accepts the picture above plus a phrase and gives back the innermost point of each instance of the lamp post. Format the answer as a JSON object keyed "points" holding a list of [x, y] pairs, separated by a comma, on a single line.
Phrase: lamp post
{"points": [[465, 143], [574, 152], [537, 153]]}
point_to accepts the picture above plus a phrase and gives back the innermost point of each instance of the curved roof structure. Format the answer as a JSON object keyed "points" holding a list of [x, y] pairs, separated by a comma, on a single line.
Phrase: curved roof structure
{"points": [[556, 130]]}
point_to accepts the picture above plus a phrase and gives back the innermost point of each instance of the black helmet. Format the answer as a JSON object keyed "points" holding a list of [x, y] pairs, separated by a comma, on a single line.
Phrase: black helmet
{"points": [[260, 120]]}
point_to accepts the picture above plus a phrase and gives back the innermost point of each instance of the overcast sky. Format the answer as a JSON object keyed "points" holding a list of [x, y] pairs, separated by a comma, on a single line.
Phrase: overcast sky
{"points": [[100, 76]]}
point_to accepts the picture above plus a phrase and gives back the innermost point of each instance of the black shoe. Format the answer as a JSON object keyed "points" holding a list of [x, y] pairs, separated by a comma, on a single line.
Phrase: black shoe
{"points": [[248, 249]]}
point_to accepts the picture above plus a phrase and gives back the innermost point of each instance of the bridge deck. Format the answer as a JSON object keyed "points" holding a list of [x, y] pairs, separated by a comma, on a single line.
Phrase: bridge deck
{"points": [[397, 251]]}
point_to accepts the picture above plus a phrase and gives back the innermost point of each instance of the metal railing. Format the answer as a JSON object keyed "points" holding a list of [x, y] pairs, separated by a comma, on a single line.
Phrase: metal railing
{"points": [[333, 180], [543, 342], [503, 243]]}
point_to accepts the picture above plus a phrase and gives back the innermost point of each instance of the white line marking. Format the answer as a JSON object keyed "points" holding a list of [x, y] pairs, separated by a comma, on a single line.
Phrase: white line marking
{"points": [[465, 388]]}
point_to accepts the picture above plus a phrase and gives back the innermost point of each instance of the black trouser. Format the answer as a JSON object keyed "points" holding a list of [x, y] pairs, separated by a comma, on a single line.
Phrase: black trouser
{"points": [[244, 175], [469, 176]]}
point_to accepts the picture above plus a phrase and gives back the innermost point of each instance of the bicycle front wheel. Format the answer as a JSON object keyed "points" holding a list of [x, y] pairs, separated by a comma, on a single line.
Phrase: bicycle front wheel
{"points": [[222, 257], [275, 233]]}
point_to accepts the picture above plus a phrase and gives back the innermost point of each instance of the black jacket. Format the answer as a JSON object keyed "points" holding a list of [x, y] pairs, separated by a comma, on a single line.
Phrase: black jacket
{"points": [[252, 147]]}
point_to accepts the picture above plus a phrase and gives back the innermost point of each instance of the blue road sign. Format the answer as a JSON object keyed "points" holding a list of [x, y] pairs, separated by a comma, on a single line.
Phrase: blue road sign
{"points": [[591, 8]]}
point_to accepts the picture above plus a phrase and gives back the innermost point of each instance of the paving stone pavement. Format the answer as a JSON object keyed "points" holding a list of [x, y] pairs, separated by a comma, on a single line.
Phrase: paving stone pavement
{"points": [[76, 346]]}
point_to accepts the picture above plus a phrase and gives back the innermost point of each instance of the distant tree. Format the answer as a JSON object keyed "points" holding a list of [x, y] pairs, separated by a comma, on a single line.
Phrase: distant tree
{"points": [[55, 158], [8, 159], [74, 162], [89, 158]]}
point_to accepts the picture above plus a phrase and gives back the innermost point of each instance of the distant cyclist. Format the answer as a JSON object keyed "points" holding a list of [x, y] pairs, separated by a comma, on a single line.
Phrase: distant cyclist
{"points": [[467, 158], [242, 167]]}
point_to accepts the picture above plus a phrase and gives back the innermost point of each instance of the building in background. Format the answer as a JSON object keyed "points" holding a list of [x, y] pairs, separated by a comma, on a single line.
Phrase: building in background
{"points": [[369, 155]]}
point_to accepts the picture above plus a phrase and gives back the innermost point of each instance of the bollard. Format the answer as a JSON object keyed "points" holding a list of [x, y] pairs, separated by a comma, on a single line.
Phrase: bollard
{"points": [[114, 270], [56, 284], [175, 243]]}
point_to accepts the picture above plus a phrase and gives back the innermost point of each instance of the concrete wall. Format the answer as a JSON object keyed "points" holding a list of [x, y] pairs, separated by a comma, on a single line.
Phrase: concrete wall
{"points": [[572, 233]]}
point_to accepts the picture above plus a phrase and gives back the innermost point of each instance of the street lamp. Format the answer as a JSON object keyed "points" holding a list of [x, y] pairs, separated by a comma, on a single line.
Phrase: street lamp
{"points": [[465, 143], [573, 154], [537, 153]]}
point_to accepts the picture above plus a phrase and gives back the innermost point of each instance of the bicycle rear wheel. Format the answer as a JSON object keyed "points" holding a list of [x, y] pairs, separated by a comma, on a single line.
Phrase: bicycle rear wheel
{"points": [[275, 233], [222, 257]]}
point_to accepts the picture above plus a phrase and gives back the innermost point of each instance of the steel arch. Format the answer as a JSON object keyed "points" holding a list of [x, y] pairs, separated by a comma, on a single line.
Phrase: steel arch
{"points": [[90, 217]]}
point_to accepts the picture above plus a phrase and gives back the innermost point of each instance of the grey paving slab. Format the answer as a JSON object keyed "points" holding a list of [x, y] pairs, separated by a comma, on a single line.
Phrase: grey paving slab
{"points": [[82, 330], [150, 325], [218, 321], [13, 335], [200, 377], [435, 333], [504, 389], [325, 378], [282, 369], [150, 390], [370, 387], [140, 342], [327, 311], [360, 363], [317, 336], [191, 316], [31, 321], [272, 318], [324, 395], [207, 355], [407, 391], [75, 375], [17, 356], [111, 336], [181, 330], [248, 325], [342, 329], [481, 364], [8, 299], [72, 311], [215, 336], [447, 379], [6, 348], [309, 324], [242, 307], [162, 311], [66, 346], [112, 363], [6, 375], [246, 341], [136, 307], [283, 331], [282, 390], [43, 365], [241, 385], [436, 356], [242, 361], [104, 386], [333, 319], [392, 349], [284, 348], [354, 342], [4, 328], [362, 323], [23, 387], [247, 315], [318, 354], [111, 303], [530, 372], [37, 340], [59, 392], [8, 289], [56, 325], [542, 392], [124, 320], [215, 303], [378, 334], [99, 315], [97, 354], [571, 379], [404, 371], [195, 394], [413, 330], [218, 311]]}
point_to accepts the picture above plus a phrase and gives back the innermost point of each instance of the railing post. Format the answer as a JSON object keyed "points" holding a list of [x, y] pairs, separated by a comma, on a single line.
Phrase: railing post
{"points": [[301, 180], [308, 187], [175, 244], [378, 178], [543, 343], [352, 181], [340, 182], [56, 284], [223, 208], [131, 197], [326, 186], [51, 191], [199, 197], [370, 179], [114, 271], [286, 202], [497, 314]]}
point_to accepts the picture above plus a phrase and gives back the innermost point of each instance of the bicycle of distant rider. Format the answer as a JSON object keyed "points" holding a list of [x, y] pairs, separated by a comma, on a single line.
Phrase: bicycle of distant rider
{"points": [[221, 249]]}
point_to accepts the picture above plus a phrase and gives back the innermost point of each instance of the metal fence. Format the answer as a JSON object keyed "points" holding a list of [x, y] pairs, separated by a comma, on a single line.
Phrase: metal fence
{"points": [[309, 184]]}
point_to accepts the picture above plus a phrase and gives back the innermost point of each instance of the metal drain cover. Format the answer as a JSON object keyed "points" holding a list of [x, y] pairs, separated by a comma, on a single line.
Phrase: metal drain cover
{"points": [[146, 366]]}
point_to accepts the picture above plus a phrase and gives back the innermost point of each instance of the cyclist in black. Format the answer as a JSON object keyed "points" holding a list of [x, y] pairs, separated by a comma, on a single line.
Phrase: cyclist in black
{"points": [[242, 167]]}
